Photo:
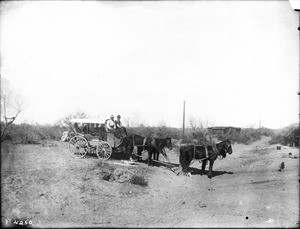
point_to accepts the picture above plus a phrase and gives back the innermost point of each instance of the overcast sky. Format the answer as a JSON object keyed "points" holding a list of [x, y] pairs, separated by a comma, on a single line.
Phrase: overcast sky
{"points": [[233, 62]]}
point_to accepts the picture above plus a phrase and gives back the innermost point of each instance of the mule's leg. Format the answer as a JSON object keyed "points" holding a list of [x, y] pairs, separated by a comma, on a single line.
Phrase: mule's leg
{"points": [[149, 157], [126, 150], [155, 157], [203, 166], [184, 160], [152, 158], [154, 153], [139, 153], [211, 164], [129, 151]]}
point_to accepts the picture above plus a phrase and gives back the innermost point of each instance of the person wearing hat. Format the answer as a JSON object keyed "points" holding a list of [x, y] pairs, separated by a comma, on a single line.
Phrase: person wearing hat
{"points": [[118, 122], [76, 128], [111, 123], [120, 127]]}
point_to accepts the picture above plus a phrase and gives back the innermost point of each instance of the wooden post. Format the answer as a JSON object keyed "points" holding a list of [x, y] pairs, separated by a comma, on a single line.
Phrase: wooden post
{"points": [[183, 125], [299, 81]]}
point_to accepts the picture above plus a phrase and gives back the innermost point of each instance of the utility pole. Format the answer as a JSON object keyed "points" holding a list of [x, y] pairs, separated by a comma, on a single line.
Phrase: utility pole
{"points": [[183, 125], [299, 80], [296, 7]]}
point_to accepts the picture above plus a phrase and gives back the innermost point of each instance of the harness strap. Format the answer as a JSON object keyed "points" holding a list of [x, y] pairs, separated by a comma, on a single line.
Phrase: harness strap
{"points": [[194, 151], [133, 141], [215, 149], [206, 151], [215, 153], [144, 143], [165, 155], [192, 162], [206, 158]]}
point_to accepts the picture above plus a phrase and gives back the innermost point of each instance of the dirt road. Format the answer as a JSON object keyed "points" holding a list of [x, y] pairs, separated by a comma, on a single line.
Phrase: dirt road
{"points": [[44, 184]]}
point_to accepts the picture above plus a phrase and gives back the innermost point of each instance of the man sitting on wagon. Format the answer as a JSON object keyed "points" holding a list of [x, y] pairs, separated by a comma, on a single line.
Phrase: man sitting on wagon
{"points": [[110, 124], [118, 122], [111, 127], [97, 129], [76, 128], [85, 128], [120, 128]]}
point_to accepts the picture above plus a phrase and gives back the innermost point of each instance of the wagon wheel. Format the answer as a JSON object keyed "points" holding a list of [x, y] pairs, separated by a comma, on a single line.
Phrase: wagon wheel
{"points": [[104, 151], [78, 146]]}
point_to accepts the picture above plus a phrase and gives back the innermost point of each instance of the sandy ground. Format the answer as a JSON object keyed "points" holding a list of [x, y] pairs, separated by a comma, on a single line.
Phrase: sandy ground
{"points": [[45, 185]]}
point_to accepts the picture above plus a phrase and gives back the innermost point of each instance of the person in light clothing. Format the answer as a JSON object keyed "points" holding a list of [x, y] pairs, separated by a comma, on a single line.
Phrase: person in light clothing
{"points": [[111, 123]]}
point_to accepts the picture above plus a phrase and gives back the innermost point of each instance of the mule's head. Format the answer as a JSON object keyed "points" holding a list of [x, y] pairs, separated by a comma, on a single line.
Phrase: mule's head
{"points": [[168, 142], [224, 148], [228, 147]]}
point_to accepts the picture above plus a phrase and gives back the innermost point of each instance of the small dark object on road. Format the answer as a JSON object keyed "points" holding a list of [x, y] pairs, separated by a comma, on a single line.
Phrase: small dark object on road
{"points": [[281, 167]]}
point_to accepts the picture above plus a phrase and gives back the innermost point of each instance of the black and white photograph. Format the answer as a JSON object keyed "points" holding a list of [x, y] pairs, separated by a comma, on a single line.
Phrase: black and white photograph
{"points": [[150, 114]]}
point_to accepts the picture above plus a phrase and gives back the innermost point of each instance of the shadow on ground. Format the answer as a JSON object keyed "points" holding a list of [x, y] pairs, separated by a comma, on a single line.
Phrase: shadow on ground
{"points": [[196, 171]]}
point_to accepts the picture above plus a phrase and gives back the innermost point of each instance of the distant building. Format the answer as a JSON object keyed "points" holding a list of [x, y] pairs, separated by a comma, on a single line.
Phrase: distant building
{"points": [[224, 130]]}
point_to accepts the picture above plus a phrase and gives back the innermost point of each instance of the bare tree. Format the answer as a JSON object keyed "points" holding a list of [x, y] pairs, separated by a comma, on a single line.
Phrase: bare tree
{"points": [[193, 122], [199, 127], [162, 123], [199, 123], [126, 121], [11, 107], [135, 120]]}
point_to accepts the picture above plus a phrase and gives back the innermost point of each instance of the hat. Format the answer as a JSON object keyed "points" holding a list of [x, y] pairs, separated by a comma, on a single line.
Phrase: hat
{"points": [[112, 116], [119, 116]]}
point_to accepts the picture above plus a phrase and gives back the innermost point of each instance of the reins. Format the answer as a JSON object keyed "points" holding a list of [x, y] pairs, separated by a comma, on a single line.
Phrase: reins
{"points": [[144, 142], [215, 153], [162, 152], [133, 141], [194, 151]]}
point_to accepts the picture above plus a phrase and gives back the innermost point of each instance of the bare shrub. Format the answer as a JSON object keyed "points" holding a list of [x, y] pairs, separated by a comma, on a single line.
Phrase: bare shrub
{"points": [[11, 107], [138, 180], [34, 134], [106, 174], [277, 139], [287, 136], [160, 132], [25, 134]]}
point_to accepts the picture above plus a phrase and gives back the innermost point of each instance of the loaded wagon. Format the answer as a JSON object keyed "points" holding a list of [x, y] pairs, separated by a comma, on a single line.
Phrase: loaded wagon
{"points": [[94, 138]]}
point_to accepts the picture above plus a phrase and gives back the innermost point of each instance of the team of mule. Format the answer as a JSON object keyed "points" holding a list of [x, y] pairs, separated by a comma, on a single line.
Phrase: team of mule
{"points": [[154, 146], [190, 152], [104, 143]]}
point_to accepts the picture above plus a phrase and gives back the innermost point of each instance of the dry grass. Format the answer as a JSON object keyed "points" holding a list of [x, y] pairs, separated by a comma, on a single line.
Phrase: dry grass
{"points": [[138, 180]]}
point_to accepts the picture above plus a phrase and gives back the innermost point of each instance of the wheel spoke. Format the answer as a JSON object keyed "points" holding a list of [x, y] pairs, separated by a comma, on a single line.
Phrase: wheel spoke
{"points": [[73, 141], [78, 146], [104, 151]]}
